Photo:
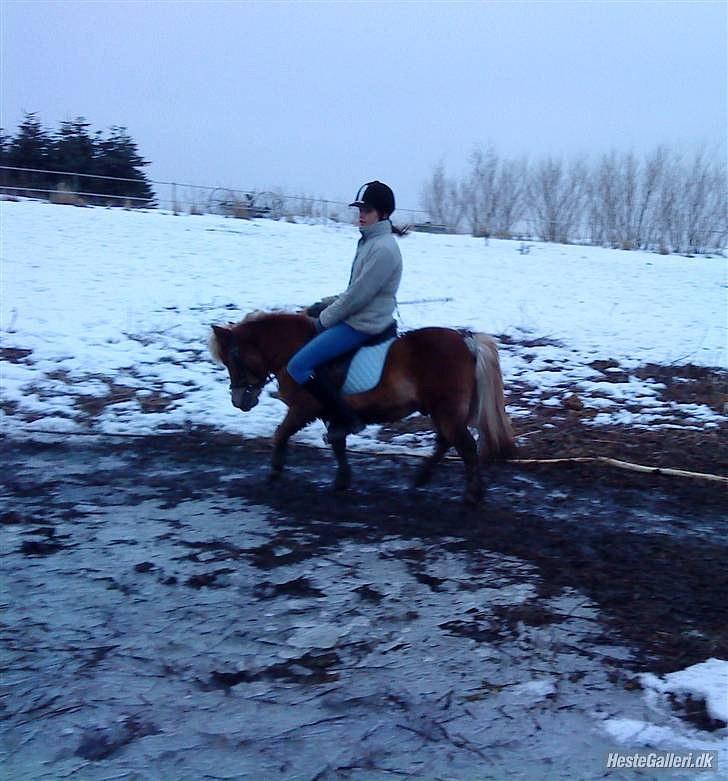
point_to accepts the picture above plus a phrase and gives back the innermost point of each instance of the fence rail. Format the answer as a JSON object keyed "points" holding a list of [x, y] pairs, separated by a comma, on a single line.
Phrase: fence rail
{"points": [[44, 193], [71, 187], [179, 197]]}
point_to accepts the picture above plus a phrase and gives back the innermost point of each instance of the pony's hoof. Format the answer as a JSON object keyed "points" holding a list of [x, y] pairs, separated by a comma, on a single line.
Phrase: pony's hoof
{"points": [[421, 479], [342, 482], [473, 498]]}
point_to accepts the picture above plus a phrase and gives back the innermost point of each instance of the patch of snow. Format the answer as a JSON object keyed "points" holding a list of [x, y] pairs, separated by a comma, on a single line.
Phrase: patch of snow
{"points": [[536, 690], [128, 297], [707, 681]]}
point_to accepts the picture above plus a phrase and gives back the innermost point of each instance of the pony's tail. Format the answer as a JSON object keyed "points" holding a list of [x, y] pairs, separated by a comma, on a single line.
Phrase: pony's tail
{"points": [[488, 408]]}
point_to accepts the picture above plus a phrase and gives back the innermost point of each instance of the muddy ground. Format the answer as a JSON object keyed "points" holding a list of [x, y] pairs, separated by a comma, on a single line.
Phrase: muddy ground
{"points": [[169, 614]]}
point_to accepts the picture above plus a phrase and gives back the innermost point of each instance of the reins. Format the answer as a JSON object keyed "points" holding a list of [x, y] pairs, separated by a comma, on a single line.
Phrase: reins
{"points": [[257, 387]]}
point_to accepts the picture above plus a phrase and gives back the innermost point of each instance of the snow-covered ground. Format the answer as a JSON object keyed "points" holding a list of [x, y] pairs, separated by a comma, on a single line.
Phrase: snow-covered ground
{"points": [[110, 310], [105, 318]]}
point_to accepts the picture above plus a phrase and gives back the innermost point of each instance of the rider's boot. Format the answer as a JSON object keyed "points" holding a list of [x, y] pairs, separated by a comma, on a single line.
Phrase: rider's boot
{"points": [[343, 419]]}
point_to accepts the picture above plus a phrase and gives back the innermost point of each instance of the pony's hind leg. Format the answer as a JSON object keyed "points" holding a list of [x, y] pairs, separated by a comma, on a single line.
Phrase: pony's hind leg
{"points": [[457, 434], [424, 473], [468, 451], [293, 422]]}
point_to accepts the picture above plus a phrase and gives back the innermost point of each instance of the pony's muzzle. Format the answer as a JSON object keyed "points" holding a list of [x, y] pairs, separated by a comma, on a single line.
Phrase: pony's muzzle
{"points": [[244, 399]]}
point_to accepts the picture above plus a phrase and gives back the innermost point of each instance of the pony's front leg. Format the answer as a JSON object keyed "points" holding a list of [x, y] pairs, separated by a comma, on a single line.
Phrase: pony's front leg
{"points": [[293, 422], [342, 481]]}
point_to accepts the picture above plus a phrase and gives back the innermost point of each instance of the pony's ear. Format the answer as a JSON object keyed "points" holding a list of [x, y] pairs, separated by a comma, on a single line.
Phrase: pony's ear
{"points": [[222, 332]]}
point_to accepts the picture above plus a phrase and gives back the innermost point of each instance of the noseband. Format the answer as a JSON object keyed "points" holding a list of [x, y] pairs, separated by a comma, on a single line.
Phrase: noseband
{"points": [[244, 384]]}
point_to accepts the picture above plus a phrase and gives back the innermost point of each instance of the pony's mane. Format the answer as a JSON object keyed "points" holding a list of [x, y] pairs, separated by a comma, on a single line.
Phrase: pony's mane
{"points": [[213, 345], [261, 314], [256, 316]]}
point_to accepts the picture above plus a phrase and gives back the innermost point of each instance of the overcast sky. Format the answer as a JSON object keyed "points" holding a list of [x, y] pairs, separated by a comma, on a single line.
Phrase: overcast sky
{"points": [[319, 97]]}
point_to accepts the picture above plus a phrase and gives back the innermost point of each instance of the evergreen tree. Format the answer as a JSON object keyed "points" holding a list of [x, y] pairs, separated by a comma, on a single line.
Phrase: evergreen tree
{"points": [[118, 156], [74, 150], [29, 149], [4, 157]]}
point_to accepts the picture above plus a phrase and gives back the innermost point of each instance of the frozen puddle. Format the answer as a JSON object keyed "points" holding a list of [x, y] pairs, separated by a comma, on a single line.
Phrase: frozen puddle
{"points": [[192, 642]]}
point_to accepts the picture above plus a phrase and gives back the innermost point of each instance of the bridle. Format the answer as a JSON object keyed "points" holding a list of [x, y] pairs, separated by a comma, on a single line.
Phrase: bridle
{"points": [[250, 388], [241, 371]]}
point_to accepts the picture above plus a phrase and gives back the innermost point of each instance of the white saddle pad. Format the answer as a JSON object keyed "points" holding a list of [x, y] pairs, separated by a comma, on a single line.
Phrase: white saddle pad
{"points": [[366, 367]]}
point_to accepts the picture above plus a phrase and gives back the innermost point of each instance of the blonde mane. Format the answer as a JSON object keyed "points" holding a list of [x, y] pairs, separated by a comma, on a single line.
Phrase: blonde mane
{"points": [[255, 316], [261, 314], [214, 346]]}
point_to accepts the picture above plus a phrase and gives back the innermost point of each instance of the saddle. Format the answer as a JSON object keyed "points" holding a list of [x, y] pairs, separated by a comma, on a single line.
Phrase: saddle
{"points": [[360, 369]]}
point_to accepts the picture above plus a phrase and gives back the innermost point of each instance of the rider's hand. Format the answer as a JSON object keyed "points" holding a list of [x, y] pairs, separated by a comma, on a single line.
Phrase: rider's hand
{"points": [[316, 324]]}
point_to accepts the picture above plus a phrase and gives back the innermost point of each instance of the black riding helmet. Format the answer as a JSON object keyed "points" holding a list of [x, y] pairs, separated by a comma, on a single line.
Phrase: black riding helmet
{"points": [[375, 195]]}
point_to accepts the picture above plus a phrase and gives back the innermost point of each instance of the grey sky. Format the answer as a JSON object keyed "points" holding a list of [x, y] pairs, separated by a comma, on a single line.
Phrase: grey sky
{"points": [[318, 97]]}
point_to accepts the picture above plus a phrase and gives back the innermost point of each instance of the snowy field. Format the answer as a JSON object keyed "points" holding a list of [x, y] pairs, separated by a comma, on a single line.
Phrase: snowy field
{"points": [[104, 321], [106, 313]]}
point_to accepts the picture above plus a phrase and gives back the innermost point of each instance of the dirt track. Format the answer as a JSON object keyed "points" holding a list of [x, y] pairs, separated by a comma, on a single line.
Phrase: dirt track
{"points": [[163, 598]]}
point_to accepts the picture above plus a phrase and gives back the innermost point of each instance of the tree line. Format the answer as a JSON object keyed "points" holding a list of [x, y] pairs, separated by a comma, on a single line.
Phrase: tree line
{"points": [[664, 200], [74, 149]]}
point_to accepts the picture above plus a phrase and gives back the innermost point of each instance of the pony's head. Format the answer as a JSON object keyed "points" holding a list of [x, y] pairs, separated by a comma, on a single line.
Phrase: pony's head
{"points": [[231, 346], [256, 348]]}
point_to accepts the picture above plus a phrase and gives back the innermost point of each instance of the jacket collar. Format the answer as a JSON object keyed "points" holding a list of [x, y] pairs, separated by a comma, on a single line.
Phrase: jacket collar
{"points": [[380, 228]]}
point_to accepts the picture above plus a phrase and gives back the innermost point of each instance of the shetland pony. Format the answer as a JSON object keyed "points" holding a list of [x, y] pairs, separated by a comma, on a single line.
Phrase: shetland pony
{"points": [[452, 376]]}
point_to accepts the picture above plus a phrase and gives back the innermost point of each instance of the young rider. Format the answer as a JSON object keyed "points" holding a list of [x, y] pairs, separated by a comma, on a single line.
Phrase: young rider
{"points": [[364, 309]]}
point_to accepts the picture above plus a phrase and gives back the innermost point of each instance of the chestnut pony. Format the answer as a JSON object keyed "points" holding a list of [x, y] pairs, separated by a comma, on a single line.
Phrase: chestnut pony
{"points": [[452, 376]]}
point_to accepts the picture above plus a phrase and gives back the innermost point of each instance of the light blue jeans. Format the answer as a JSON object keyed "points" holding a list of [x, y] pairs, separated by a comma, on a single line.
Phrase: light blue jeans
{"points": [[331, 343]]}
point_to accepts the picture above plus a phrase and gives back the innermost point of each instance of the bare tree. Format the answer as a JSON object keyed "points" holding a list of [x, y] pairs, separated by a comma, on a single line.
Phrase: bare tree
{"points": [[653, 172], [510, 203], [480, 191], [628, 189], [618, 196], [662, 200], [442, 199], [556, 196], [668, 215], [704, 203], [603, 199]]}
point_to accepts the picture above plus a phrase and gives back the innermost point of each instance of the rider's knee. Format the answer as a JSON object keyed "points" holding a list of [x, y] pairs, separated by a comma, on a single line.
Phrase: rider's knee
{"points": [[298, 370]]}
